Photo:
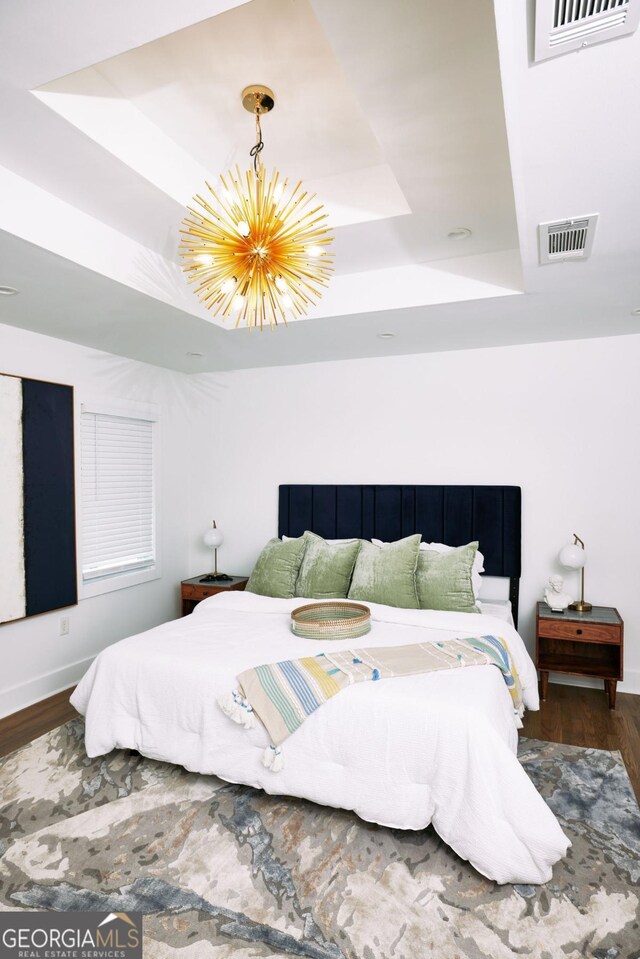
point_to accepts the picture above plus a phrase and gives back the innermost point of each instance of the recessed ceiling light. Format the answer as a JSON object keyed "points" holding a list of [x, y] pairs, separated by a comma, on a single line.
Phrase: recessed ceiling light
{"points": [[386, 336], [635, 312], [460, 233], [8, 290], [194, 354]]}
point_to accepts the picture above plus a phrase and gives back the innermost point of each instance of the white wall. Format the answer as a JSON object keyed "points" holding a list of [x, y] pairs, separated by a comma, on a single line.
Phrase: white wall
{"points": [[560, 420], [34, 660]]}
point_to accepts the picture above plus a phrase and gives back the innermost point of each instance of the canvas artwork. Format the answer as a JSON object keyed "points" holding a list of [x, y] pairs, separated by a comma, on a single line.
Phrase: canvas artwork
{"points": [[37, 501]]}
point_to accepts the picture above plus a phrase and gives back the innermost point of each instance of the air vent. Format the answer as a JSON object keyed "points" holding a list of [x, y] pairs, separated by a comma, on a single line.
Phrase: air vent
{"points": [[566, 239], [564, 25]]}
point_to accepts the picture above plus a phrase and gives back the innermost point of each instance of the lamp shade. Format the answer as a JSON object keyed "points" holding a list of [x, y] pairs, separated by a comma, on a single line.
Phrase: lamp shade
{"points": [[572, 556], [213, 538]]}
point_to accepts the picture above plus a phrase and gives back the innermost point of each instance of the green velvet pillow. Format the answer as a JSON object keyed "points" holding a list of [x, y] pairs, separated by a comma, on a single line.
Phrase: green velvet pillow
{"points": [[276, 570], [387, 574], [443, 580], [326, 568]]}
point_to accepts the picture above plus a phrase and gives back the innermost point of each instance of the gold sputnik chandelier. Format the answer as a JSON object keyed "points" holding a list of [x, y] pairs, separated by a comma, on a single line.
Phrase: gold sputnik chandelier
{"points": [[255, 249]]}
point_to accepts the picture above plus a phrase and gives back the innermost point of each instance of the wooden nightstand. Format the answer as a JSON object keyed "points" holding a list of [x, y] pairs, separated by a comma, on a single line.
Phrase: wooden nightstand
{"points": [[193, 591], [581, 644]]}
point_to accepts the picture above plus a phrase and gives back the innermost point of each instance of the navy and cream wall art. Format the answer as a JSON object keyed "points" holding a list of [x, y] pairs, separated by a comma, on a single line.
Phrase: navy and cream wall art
{"points": [[37, 498]]}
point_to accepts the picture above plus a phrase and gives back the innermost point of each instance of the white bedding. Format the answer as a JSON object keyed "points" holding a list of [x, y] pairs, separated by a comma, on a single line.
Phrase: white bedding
{"points": [[437, 747], [498, 608]]}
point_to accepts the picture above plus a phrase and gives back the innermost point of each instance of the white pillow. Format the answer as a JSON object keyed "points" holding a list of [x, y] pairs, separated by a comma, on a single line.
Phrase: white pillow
{"points": [[476, 569]]}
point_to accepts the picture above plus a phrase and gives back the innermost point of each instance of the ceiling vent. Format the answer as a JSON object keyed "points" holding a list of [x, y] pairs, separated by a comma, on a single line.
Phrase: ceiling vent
{"points": [[564, 25], [566, 239]]}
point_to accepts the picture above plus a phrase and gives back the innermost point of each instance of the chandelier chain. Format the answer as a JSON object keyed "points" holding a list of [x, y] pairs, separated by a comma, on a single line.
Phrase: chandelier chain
{"points": [[257, 148]]}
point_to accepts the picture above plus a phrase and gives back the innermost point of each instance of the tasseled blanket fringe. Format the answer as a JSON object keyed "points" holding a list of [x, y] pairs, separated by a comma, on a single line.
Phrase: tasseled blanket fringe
{"points": [[238, 708], [272, 759]]}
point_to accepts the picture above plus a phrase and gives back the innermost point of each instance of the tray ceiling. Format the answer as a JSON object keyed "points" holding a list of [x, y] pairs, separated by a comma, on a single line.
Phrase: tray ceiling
{"points": [[409, 124]]}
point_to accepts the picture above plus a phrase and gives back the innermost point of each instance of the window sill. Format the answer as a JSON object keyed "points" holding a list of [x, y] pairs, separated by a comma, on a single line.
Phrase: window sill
{"points": [[109, 584]]}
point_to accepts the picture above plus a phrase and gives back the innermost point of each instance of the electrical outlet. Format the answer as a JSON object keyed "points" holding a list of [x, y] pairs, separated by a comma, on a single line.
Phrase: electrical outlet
{"points": [[64, 626]]}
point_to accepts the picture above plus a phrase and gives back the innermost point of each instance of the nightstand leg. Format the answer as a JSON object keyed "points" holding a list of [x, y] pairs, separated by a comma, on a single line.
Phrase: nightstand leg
{"points": [[611, 686], [544, 684]]}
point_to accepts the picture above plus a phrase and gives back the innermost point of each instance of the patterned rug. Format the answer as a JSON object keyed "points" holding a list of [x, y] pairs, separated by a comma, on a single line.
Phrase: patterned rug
{"points": [[227, 871]]}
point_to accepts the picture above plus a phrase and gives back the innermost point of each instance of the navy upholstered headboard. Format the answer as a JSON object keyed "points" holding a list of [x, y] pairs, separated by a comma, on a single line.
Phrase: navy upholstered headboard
{"points": [[444, 514]]}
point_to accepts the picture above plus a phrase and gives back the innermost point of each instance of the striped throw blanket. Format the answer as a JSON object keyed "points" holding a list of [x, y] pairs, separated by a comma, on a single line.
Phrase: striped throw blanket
{"points": [[282, 695]]}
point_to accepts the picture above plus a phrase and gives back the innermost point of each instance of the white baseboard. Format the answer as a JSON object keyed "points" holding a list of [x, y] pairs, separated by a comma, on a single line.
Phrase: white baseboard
{"points": [[631, 683], [41, 687]]}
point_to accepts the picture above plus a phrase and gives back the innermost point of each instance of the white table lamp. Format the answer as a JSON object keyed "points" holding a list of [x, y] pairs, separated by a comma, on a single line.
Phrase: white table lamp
{"points": [[214, 538], [573, 556]]}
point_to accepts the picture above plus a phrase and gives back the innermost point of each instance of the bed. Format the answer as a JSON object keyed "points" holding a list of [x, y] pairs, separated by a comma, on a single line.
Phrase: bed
{"points": [[432, 748]]}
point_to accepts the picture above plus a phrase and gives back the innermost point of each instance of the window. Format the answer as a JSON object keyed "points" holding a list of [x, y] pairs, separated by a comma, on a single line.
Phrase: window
{"points": [[118, 500]]}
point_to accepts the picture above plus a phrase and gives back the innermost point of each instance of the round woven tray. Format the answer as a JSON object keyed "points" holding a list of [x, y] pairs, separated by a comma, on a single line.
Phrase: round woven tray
{"points": [[333, 620]]}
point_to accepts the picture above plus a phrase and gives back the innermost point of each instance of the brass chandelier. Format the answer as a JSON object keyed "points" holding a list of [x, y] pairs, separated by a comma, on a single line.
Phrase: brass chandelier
{"points": [[255, 248]]}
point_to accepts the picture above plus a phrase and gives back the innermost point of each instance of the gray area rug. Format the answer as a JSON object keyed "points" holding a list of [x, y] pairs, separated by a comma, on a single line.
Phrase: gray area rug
{"points": [[227, 871]]}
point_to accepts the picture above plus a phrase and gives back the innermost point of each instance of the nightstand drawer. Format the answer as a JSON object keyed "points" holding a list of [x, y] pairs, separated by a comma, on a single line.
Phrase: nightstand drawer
{"points": [[578, 632], [198, 592]]}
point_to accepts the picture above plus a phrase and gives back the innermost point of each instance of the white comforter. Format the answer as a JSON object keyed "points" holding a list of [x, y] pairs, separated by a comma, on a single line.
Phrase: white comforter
{"points": [[436, 748]]}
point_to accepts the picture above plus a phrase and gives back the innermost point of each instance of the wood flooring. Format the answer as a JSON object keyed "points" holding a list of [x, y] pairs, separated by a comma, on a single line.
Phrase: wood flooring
{"points": [[21, 728], [581, 717], [571, 714]]}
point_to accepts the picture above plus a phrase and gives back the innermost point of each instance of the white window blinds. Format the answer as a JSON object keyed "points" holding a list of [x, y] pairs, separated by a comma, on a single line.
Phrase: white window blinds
{"points": [[118, 528]]}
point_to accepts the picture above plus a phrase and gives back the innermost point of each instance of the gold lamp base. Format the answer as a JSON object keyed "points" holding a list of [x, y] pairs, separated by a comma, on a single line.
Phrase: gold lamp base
{"points": [[581, 607]]}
